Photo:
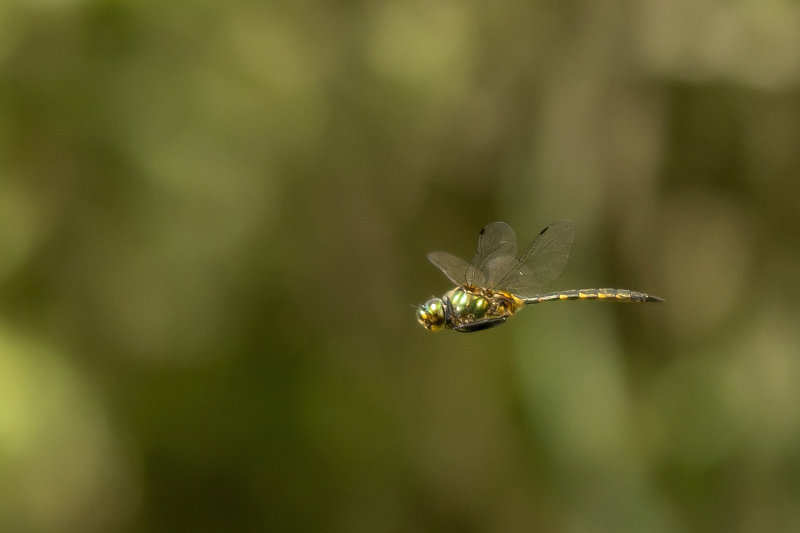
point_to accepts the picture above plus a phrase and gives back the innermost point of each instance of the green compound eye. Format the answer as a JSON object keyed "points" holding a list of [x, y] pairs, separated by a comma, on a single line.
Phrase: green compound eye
{"points": [[431, 314]]}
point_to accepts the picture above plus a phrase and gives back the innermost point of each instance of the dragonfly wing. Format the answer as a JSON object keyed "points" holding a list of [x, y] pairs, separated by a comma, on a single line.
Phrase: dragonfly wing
{"points": [[453, 267], [496, 251], [542, 262]]}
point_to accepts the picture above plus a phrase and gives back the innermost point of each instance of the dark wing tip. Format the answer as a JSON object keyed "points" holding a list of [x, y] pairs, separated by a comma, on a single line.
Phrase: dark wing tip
{"points": [[496, 223], [561, 224]]}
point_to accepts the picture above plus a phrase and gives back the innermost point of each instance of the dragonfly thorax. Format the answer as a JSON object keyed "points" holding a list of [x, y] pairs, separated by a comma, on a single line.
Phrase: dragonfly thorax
{"points": [[472, 305], [464, 302]]}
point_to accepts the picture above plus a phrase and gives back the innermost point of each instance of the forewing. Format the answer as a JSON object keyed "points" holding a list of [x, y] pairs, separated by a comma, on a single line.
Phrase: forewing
{"points": [[542, 262], [496, 251], [453, 267]]}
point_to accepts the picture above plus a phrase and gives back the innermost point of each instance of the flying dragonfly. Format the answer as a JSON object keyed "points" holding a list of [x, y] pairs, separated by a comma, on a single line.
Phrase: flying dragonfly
{"points": [[496, 283]]}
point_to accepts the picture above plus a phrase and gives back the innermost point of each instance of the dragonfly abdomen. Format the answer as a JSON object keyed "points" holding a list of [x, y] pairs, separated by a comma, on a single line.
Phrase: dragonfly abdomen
{"points": [[616, 295]]}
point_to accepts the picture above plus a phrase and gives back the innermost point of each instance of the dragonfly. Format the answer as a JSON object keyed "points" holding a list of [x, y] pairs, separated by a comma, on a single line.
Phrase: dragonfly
{"points": [[496, 283]]}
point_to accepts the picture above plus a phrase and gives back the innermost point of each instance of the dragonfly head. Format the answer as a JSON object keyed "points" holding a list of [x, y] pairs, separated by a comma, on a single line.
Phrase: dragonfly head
{"points": [[431, 314]]}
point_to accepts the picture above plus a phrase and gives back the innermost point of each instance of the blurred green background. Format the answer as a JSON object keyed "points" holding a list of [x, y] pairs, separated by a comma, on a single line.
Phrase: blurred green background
{"points": [[214, 218]]}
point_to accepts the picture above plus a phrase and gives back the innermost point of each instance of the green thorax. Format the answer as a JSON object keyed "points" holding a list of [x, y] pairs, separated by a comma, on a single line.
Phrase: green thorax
{"points": [[468, 305], [465, 303]]}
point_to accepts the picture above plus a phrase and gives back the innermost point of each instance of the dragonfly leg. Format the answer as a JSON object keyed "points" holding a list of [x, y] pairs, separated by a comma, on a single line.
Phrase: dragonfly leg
{"points": [[479, 325]]}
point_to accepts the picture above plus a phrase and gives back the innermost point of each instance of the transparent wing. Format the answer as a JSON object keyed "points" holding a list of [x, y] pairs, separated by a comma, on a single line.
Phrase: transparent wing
{"points": [[496, 252], [542, 262], [453, 267]]}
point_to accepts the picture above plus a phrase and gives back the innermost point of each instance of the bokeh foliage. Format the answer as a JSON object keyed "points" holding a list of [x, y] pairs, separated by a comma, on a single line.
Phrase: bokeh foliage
{"points": [[214, 217]]}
